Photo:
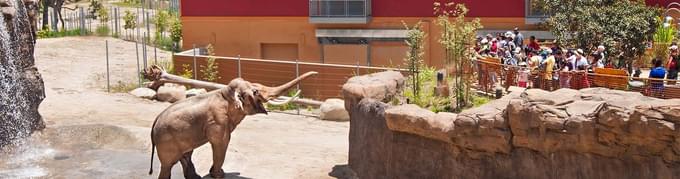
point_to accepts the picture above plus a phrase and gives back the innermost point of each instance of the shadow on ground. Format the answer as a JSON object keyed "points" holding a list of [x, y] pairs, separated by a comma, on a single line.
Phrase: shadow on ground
{"points": [[343, 172], [230, 175]]}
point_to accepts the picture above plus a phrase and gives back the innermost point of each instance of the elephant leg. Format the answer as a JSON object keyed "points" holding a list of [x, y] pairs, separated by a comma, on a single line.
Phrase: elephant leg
{"points": [[219, 145], [165, 172], [188, 166]]}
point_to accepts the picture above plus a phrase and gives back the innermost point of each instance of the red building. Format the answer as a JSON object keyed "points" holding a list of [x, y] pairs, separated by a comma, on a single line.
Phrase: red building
{"points": [[365, 32]]}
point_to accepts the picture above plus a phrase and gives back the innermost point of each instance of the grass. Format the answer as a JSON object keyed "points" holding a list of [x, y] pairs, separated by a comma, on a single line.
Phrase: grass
{"points": [[284, 107], [124, 87], [63, 33], [102, 31]]}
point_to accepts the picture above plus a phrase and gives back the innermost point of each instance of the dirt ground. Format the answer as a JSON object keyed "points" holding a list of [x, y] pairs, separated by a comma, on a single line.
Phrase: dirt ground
{"points": [[273, 146]]}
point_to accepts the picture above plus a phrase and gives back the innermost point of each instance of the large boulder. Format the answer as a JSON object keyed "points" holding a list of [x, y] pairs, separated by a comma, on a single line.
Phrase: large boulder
{"points": [[171, 93], [21, 86], [334, 110], [146, 93], [195, 92]]}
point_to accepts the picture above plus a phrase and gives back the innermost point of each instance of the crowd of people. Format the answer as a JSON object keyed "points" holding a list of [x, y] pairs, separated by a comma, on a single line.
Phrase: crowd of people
{"points": [[534, 61]]}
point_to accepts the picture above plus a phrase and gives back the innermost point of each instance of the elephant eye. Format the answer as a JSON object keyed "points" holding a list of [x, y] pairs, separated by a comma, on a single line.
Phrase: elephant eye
{"points": [[255, 92]]}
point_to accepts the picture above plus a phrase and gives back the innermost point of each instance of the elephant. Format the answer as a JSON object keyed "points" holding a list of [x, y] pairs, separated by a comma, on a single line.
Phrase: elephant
{"points": [[211, 117]]}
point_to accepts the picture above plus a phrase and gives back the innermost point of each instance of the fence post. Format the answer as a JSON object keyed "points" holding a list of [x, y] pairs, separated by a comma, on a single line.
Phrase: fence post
{"points": [[144, 51], [138, 71], [297, 74], [82, 21], [195, 74], [238, 64], [358, 73], [108, 84]]}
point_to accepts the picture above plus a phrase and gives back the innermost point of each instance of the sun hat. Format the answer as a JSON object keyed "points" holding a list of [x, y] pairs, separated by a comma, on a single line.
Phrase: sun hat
{"points": [[579, 51]]}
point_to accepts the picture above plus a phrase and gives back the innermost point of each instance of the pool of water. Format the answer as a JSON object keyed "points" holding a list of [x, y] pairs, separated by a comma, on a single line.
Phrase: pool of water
{"points": [[81, 151]]}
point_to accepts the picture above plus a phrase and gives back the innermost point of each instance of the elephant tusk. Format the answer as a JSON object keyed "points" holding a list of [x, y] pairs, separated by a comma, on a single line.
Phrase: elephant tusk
{"points": [[281, 100]]}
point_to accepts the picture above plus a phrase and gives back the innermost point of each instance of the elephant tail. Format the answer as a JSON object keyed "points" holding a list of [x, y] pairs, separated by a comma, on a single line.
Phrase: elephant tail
{"points": [[153, 146]]}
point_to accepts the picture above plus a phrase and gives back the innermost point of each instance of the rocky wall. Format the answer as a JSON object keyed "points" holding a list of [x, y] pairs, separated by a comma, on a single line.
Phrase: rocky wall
{"points": [[591, 133], [21, 86]]}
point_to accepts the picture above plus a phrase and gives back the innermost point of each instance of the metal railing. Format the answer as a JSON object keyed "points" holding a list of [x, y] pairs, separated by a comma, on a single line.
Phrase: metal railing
{"points": [[490, 74], [339, 8]]}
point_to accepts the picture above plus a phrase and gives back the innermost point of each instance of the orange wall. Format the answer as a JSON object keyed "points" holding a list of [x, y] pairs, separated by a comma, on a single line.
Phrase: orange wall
{"points": [[232, 36]]}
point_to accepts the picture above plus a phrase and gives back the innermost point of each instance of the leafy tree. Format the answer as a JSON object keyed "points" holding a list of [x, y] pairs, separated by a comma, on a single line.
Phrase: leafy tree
{"points": [[176, 31], [103, 15], [130, 20], [209, 71], [414, 57], [665, 34], [458, 38], [161, 22], [622, 26], [95, 6]]}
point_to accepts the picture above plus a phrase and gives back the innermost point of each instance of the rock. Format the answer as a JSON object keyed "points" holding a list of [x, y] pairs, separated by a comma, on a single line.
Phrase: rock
{"points": [[591, 133], [171, 93], [22, 85], [145, 93], [9, 12], [195, 92], [334, 110]]}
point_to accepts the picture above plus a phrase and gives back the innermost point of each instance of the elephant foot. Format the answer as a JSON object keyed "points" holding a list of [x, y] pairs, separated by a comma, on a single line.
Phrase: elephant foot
{"points": [[216, 173]]}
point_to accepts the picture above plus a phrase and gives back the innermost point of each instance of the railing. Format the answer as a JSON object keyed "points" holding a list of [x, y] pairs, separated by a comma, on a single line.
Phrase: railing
{"points": [[339, 8], [327, 84], [490, 74]]}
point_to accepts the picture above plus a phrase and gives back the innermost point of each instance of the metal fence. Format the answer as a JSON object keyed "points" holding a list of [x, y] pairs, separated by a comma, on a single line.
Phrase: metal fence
{"points": [[491, 74], [327, 84]]}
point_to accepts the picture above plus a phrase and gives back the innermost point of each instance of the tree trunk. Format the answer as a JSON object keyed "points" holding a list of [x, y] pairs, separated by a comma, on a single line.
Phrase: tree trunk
{"points": [[159, 77], [45, 14]]}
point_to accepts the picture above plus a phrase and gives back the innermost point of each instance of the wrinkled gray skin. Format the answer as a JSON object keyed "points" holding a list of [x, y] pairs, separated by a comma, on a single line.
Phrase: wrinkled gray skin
{"points": [[211, 117]]}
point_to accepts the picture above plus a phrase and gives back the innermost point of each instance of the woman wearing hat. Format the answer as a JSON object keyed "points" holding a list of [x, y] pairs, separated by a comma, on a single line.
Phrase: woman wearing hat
{"points": [[673, 66]]}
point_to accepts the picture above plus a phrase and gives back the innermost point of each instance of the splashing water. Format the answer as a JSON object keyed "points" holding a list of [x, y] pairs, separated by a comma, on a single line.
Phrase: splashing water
{"points": [[21, 89]]}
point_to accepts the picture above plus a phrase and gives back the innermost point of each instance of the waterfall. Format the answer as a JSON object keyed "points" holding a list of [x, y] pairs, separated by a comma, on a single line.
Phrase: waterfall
{"points": [[21, 88]]}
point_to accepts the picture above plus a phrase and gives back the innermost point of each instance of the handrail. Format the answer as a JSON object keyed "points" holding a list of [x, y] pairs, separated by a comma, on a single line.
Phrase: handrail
{"points": [[294, 62], [590, 74]]}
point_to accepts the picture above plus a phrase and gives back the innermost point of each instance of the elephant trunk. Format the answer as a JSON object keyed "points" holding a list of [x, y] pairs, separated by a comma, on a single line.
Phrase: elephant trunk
{"points": [[271, 92]]}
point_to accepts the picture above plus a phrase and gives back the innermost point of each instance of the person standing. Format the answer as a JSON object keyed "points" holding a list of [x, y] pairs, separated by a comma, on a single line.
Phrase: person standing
{"points": [[533, 44], [519, 38], [673, 66], [601, 53], [657, 74], [549, 65]]}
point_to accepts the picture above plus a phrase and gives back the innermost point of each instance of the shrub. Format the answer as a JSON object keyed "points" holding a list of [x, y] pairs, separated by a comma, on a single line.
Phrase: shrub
{"points": [[103, 30], [210, 72], [187, 72]]}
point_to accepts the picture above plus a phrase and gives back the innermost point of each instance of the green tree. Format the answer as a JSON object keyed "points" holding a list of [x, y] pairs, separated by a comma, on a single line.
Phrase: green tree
{"points": [[210, 72], [176, 32], [95, 6], [130, 20], [665, 34], [458, 38], [622, 26], [160, 21], [414, 57], [103, 15]]}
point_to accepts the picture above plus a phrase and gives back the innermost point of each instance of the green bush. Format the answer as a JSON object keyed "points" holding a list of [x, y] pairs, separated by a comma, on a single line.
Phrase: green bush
{"points": [[103, 30], [287, 106], [176, 32], [48, 33], [210, 72]]}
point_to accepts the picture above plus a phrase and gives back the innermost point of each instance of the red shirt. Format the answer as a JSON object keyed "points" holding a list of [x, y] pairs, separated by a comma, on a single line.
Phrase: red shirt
{"points": [[534, 45]]}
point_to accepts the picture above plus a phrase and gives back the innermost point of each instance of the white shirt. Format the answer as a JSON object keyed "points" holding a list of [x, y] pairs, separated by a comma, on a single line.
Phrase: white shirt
{"points": [[582, 62]]}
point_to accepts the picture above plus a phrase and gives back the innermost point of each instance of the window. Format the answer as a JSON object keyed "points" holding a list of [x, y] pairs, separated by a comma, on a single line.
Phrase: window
{"points": [[532, 12]]}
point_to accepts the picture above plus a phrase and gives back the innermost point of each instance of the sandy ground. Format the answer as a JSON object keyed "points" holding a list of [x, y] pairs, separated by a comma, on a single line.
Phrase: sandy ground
{"points": [[274, 146]]}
